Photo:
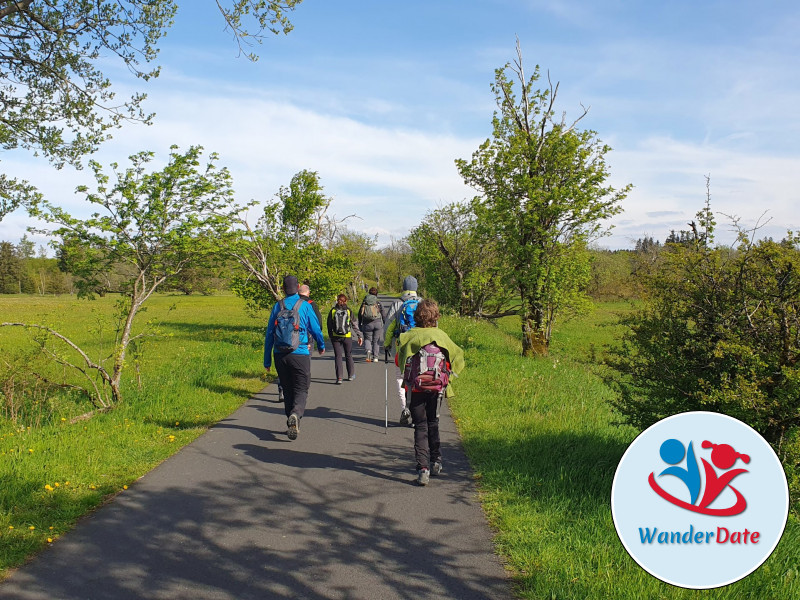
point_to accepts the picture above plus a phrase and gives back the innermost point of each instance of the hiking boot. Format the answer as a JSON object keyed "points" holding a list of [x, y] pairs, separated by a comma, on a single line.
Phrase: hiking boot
{"points": [[351, 378], [424, 477], [338, 381], [405, 417], [293, 423], [436, 468]]}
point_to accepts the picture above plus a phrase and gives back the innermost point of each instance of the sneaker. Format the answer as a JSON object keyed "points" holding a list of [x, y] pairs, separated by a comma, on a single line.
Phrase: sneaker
{"points": [[436, 468], [369, 356], [375, 359], [293, 423], [280, 394], [424, 477], [338, 382], [405, 417], [351, 378]]}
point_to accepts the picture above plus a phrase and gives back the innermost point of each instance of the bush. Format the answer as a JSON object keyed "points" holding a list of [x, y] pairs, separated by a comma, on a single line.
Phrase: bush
{"points": [[718, 331]]}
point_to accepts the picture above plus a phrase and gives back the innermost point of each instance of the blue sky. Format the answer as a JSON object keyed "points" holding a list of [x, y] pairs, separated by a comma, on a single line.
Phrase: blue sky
{"points": [[381, 97]]}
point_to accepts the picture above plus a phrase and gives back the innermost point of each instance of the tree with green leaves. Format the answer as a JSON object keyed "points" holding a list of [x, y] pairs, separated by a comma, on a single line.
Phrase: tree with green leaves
{"points": [[544, 194], [719, 330], [148, 228], [459, 263], [292, 237], [54, 98]]}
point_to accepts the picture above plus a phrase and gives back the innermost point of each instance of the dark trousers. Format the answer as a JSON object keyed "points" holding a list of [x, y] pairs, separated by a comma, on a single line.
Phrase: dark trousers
{"points": [[343, 345], [294, 371], [373, 336], [424, 407]]}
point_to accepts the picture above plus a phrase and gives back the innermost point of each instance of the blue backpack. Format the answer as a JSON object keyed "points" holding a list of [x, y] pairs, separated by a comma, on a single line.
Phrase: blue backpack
{"points": [[405, 316], [287, 327]]}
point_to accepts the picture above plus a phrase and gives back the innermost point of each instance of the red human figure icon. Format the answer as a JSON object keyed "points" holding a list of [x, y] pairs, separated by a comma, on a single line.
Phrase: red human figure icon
{"points": [[724, 457]]}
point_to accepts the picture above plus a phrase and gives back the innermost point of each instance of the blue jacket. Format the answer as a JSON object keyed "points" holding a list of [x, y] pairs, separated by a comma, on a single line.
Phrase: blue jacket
{"points": [[308, 323]]}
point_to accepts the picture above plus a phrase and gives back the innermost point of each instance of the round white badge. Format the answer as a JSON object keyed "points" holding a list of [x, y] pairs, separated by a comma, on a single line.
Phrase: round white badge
{"points": [[699, 500]]}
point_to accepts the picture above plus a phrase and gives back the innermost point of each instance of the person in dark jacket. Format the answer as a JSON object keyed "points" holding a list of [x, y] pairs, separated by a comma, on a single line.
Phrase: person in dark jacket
{"points": [[294, 367], [370, 321], [341, 327]]}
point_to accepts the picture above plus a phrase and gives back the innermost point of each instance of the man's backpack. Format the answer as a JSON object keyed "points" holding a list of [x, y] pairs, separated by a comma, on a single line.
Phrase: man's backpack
{"points": [[287, 327], [370, 309], [405, 316], [427, 371], [341, 320]]}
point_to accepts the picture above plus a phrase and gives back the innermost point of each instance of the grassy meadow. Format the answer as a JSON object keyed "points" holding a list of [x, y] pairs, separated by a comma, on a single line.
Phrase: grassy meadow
{"points": [[540, 435], [204, 363], [542, 439]]}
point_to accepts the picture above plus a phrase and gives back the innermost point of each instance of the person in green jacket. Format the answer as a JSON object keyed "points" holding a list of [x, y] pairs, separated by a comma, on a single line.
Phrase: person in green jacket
{"points": [[424, 405]]}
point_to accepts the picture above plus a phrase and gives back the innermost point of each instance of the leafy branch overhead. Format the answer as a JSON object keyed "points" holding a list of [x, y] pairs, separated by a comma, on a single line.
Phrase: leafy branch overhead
{"points": [[56, 100]]}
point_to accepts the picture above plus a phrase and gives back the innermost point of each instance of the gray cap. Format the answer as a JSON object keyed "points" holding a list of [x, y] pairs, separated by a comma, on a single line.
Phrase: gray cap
{"points": [[410, 284]]}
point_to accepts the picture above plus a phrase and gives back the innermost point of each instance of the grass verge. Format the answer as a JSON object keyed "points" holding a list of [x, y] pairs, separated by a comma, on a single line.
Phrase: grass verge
{"points": [[204, 364], [543, 441]]}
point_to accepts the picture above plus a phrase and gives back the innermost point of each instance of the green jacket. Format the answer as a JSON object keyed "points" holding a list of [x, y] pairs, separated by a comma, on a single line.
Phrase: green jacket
{"points": [[412, 340]]}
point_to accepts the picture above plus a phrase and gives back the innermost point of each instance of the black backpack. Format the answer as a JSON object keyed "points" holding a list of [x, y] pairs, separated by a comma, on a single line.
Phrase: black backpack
{"points": [[341, 320]]}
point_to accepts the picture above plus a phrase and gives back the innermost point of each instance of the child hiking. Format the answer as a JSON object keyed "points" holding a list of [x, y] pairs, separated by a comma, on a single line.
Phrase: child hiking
{"points": [[341, 327], [399, 320], [428, 357]]}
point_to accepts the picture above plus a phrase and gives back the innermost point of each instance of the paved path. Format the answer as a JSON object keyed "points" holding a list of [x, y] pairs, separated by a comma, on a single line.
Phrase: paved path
{"points": [[244, 513]]}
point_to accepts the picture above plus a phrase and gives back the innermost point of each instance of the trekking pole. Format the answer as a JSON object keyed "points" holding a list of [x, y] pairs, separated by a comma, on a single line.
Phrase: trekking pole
{"points": [[386, 388]]}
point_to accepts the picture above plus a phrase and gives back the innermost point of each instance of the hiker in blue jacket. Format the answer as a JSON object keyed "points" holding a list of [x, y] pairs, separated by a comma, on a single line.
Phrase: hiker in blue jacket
{"points": [[292, 356]]}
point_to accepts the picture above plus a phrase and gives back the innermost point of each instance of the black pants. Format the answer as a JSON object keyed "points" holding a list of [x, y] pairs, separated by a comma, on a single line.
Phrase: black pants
{"points": [[424, 407], [294, 371], [343, 345]]}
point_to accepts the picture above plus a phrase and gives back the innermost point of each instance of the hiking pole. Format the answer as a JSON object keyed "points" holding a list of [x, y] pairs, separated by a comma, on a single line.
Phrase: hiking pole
{"points": [[386, 388]]}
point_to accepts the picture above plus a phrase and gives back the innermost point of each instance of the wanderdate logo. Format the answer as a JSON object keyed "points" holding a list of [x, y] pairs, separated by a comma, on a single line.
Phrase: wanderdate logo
{"points": [[699, 500]]}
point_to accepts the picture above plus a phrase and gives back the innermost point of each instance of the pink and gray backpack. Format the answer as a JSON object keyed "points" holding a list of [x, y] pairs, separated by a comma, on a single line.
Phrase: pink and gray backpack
{"points": [[427, 370]]}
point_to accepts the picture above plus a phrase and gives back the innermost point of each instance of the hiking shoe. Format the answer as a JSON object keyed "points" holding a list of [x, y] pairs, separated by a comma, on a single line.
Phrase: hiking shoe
{"points": [[280, 394], [436, 468], [338, 381], [405, 417], [293, 423], [351, 378], [369, 356], [424, 477]]}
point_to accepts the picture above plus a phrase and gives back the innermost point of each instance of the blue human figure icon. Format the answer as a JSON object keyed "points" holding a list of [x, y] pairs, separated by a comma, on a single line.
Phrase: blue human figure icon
{"points": [[672, 453]]}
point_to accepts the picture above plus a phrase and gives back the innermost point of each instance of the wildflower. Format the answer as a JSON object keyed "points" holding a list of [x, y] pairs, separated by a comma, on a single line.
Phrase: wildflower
{"points": [[11, 527], [58, 484], [51, 528], [66, 483], [30, 450], [63, 419], [48, 487], [177, 422], [124, 487], [49, 540], [92, 487], [31, 527]]}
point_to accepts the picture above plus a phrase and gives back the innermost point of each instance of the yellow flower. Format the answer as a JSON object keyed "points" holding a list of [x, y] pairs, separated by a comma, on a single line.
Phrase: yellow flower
{"points": [[177, 422], [48, 487], [58, 484], [63, 419], [51, 528], [11, 527], [30, 450], [31, 527], [124, 487], [49, 540], [66, 483], [92, 487]]}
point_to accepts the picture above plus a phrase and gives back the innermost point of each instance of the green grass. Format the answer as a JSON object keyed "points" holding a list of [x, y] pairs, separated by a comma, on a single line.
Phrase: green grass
{"points": [[203, 366], [543, 441]]}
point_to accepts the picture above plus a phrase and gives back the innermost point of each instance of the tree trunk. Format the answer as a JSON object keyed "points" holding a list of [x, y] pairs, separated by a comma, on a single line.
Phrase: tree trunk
{"points": [[534, 336]]}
